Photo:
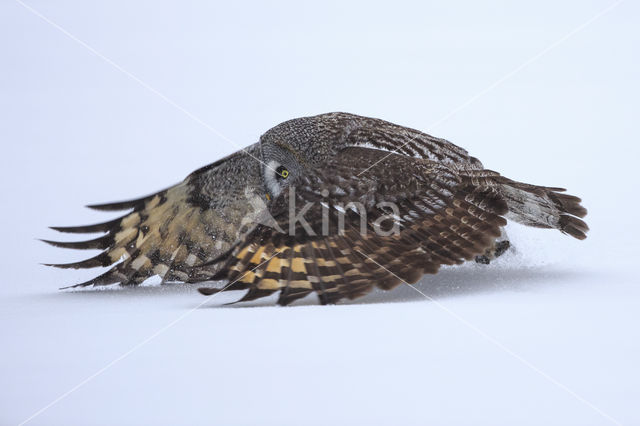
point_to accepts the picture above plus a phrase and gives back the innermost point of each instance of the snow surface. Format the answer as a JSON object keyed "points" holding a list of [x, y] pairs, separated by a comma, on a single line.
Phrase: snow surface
{"points": [[548, 334]]}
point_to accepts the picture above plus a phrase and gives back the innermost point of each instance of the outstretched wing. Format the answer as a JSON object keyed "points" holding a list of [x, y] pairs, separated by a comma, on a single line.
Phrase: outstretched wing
{"points": [[342, 250], [175, 233]]}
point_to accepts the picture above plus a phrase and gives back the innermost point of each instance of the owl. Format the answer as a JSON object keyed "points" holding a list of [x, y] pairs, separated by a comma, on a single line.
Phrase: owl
{"points": [[335, 204]]}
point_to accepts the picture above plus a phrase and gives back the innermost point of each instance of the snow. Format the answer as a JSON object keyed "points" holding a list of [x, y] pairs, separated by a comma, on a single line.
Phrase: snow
{"points": [[547, 334]]}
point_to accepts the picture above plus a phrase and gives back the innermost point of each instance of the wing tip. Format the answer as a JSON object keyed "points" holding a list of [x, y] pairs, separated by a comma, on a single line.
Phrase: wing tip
{"points": [[109, 207], [124, 205], [117, 206], [110, 277], [101, 260], [88, 229], [99, 243], [209, 291]]}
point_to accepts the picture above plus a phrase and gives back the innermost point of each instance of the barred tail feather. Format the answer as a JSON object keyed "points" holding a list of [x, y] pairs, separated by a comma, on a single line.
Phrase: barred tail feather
{"points": [[544, 207]]}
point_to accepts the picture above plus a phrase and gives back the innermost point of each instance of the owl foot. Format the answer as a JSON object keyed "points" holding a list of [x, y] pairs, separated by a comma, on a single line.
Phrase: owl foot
{"points": [[493, 252]]}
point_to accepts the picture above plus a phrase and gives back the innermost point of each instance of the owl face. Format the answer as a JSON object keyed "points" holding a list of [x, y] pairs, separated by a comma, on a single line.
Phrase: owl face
{"points": [[279, 168]]}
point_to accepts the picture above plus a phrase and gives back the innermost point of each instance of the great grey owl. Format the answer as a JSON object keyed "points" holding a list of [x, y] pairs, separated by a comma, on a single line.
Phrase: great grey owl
{"points": [[335, 204]]}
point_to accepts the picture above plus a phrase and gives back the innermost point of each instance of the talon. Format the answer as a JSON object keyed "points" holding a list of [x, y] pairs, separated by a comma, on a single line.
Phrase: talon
{"points": [[501, 247], [497, 250]]}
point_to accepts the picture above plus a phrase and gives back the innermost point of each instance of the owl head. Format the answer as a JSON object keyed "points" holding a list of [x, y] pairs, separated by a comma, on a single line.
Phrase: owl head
{"points": [[292, 147]]}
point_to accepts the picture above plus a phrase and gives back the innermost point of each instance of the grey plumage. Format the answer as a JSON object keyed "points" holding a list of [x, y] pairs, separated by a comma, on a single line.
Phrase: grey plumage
{"points": [[213, 225]]}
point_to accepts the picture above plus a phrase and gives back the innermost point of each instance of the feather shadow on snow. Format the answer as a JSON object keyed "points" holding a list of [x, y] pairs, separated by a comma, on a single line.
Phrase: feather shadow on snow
{"points": [[476, 279], [465, 280], [451, 282]]}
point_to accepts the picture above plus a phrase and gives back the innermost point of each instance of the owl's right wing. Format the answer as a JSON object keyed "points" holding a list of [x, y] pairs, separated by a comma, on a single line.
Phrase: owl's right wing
{"points": [[342, 250]]}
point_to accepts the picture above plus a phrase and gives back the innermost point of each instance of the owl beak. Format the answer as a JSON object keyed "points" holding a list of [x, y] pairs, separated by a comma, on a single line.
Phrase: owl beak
{"points": [[268, 196]]}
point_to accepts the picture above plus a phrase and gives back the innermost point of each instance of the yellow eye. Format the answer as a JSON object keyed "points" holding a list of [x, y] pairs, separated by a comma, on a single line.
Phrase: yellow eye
{"points": [[282, 172]]}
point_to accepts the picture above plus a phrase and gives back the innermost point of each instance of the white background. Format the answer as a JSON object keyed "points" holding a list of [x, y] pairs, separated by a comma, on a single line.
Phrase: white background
{"points": [[546, 335]]}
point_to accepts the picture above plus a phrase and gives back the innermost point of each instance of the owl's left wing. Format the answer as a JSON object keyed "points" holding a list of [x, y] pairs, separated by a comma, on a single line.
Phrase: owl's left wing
{"points": [[174, 233], [334, 225]]}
